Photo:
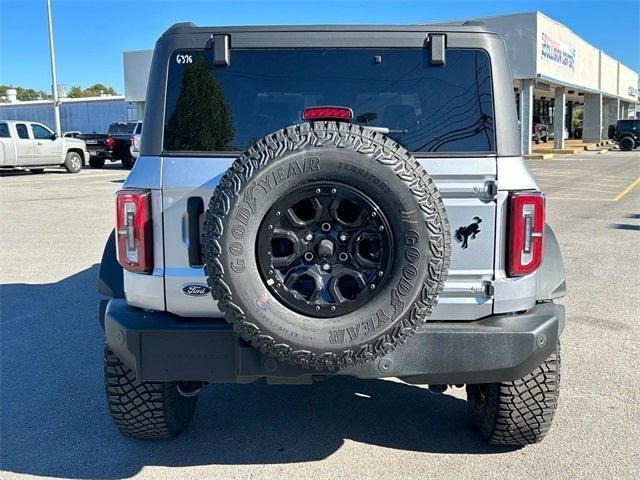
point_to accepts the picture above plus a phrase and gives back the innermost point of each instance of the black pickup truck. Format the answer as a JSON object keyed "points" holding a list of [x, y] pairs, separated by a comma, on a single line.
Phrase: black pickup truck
{"points": [[113, 145]]}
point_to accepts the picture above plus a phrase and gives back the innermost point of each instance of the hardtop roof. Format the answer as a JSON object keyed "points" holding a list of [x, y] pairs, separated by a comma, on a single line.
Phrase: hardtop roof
{"points": [[468, 26]]}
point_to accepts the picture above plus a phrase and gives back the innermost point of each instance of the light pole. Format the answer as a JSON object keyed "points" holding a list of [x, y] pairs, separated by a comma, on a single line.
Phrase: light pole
{"points": [[54, 82]]}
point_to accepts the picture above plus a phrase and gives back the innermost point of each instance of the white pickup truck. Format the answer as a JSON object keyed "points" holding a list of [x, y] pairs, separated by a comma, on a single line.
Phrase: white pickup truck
{"points": [[32, 145]]}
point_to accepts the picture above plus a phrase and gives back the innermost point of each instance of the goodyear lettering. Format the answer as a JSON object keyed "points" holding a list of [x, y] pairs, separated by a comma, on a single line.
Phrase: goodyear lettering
{"points": [[363, 328]]}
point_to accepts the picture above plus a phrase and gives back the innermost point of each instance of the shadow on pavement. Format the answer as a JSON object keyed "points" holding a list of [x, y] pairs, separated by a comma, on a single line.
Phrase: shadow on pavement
{"points": [[54, 421]]}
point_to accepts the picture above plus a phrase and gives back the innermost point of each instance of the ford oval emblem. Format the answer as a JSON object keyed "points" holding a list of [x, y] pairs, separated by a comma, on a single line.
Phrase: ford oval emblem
{"points": [[195, 289]]}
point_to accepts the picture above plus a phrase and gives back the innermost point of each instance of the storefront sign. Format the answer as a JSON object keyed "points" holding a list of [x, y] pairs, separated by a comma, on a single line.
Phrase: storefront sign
{"points": [[558, 52], [633, 92]]}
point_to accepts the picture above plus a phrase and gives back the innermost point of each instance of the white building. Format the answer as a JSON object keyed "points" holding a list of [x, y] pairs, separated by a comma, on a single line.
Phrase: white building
{"points": [[554, 71], [87, 115]]}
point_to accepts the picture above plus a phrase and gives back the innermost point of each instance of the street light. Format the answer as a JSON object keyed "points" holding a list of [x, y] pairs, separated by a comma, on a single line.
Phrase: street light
{"points": [[54, 82]]}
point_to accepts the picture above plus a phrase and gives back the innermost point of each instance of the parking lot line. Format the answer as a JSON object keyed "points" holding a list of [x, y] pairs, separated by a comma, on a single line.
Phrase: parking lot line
{"points": [[630, 187], [579, 199], [612, 186]]}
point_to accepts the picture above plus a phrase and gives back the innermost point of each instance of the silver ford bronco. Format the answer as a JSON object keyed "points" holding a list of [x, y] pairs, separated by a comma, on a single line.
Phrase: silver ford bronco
{"points": [[315, 201]]}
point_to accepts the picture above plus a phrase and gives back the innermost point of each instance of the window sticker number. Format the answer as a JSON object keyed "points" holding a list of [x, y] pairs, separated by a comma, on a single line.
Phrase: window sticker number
{"points": [[180, 58]]}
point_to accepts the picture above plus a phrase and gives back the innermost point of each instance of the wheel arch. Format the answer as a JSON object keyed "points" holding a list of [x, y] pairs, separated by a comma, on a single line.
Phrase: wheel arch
{"points": [[110, 276], [75, 150], [551, 276]]}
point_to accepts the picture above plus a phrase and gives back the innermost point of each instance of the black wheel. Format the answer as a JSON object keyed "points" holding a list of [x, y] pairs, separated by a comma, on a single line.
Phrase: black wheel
{"points": [[96, 162], [626, 144], [545, 139], [128, 161], [519, 412], [145, 411], [326, 245], [36, 171], [73, 162]]}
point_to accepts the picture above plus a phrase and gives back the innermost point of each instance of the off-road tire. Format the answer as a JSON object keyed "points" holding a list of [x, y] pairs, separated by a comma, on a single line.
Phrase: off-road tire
{"points": [[350, 145], [96, 162], [626, 144], [146, 411], [519, 412], [73, 162]]}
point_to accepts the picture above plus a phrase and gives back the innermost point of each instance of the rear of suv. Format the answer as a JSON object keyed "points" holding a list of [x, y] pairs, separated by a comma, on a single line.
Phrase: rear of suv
{"points": [[320, 201], [626, 133]]}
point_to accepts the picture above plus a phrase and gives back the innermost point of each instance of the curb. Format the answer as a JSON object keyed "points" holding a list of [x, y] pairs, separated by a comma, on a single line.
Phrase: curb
{"points": [[539, 156]]}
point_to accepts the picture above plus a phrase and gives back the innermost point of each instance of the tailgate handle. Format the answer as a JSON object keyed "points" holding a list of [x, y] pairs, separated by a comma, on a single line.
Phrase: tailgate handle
{"points": [[195, 209]]}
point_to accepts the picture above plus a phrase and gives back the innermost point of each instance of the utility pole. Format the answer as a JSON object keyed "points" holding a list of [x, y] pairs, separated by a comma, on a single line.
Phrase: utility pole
{"points": [[54, 81]]}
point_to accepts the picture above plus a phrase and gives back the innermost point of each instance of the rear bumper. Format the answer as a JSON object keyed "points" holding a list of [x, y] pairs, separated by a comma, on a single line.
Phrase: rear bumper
{"points": [[163, 347]]}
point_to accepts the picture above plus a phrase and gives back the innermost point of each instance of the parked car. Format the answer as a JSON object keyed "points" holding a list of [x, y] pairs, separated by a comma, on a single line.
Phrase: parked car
{"points": [[114, 145], [626, 133], [291, 220], [135, 142], [33, 146], [552, 133], [540, 132]]}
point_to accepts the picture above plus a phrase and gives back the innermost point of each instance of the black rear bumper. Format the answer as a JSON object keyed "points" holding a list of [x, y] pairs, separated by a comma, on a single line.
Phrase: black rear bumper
{"points": [[163, 347]]}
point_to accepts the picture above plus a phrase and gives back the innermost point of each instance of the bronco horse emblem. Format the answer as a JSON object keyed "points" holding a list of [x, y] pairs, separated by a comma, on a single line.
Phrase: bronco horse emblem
{"points": [[463, 233]]}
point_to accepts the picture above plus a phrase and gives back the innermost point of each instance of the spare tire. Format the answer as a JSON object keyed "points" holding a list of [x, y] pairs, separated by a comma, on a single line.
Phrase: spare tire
{"points": [[326, 245]]}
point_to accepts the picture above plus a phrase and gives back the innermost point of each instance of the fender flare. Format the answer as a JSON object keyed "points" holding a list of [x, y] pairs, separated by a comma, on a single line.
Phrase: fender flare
{"points": [[551, 278], [110, 277]]}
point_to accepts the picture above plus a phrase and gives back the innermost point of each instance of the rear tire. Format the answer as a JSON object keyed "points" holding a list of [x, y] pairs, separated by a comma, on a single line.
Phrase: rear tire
{"points": [[144, 410], [36, 171], [73, 162], [626, 144], [518, 412], [96, 162]]}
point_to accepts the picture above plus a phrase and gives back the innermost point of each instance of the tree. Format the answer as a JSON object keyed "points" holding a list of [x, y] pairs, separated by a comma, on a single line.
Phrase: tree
{"points": [[25, 94], [93, 91], [201, 119]]}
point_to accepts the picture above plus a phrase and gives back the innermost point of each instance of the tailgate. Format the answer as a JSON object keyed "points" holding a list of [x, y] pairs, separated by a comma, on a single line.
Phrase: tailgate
{"points": [[466, 184]]}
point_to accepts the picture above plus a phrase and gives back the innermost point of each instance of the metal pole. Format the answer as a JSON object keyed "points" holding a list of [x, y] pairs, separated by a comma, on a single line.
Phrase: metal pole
{"points": [[54, 81]]}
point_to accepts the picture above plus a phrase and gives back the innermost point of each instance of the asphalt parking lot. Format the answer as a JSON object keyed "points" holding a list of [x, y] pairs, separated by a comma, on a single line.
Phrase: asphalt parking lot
{"points": [[54, 423]]}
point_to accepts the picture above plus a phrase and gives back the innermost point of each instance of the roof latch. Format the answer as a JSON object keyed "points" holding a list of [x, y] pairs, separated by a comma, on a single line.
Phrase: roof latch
{"points": [[221, 54], [437, 44]]}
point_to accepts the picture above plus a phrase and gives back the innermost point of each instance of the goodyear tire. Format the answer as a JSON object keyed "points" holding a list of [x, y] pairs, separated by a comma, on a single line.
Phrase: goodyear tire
{"points": [[333, 170]]}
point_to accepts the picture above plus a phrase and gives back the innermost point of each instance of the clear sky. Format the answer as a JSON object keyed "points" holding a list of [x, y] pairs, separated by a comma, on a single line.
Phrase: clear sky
{"points": [[90, 35]]}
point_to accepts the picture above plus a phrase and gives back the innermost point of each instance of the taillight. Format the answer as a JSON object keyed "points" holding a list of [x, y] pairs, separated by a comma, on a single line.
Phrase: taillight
{"points": [[109, 142], [327, 113], [133, 141], [526, 230], [133, 230]]}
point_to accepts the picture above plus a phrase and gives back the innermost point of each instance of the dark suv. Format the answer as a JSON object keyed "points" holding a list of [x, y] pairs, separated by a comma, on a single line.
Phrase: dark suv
{"points": [[626, 133], [321, 201]]}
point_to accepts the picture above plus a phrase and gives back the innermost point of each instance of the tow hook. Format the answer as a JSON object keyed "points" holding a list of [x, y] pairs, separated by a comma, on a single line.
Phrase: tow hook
{"points": [[189, 389]]}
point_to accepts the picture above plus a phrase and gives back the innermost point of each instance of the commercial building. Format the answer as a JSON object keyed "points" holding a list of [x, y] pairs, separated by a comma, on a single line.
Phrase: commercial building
{"points": [[559, 79], [87, 115], [555, 72]]}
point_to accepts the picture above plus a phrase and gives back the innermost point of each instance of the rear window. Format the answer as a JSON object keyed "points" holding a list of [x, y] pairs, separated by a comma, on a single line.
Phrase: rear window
{"points": [[22, 131], [121, 128], [628, 124], [426, 108]]}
